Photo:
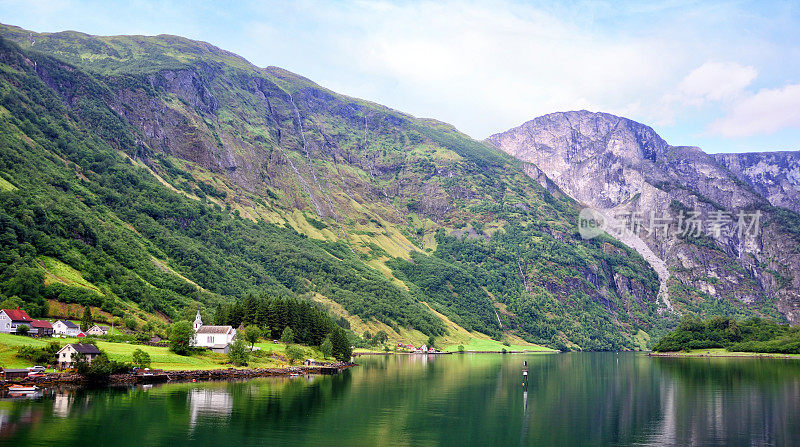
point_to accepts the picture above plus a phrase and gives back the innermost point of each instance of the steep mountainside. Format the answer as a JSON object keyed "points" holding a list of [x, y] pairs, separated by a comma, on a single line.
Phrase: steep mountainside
{"points": [[640, 183], [774, 175], [163, 172]]}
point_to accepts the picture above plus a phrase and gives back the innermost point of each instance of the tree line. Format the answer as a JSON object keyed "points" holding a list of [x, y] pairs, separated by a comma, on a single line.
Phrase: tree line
{"points": [[308, 323], [750, 335]]}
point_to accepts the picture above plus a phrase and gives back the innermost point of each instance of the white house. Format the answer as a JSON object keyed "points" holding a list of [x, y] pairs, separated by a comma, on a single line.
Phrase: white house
{"points": [[65, 327], [97, 330], [65, 357], [11, 319], [215, 338]]}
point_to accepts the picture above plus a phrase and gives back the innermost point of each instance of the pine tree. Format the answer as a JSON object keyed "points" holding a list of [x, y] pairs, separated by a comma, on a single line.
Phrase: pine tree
{"points": [[326, 347], [288, 335], [341, 345], [86, 321]]}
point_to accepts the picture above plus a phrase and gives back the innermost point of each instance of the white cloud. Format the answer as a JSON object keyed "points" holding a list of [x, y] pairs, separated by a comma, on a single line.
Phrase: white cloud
{"points": [[765, 112], [486, 66], [712, 82]]}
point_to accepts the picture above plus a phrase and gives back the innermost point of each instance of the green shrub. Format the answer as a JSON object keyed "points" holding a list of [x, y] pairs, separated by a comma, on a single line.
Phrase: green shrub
{"points": [[181, 337], [294, 353], [239, 352], [326, 347], [141, 358], [288, 335]]}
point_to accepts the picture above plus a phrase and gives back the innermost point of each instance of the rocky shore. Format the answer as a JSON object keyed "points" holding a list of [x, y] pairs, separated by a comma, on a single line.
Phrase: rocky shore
{"points": [[52, 379]]}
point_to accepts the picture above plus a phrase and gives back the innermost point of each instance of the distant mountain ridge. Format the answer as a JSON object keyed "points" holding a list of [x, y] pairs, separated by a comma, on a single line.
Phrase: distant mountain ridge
{"points": [[623, 167]]}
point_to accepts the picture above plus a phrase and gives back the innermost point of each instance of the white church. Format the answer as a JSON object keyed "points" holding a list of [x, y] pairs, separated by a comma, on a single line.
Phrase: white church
{"points": [[215, 338]]}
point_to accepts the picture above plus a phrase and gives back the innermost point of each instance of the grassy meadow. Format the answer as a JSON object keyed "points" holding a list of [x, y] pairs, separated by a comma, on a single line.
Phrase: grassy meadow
{"points": [[161, 357]]}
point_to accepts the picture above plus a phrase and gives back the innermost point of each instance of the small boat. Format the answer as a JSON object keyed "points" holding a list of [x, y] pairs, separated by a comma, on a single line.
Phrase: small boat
{"points": [[22, 389]]}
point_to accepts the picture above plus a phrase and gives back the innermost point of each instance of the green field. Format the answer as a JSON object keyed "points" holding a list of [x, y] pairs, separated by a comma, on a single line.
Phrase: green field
{"points": [[473, 344], [8, 349], [162, 358], [477, 344]]}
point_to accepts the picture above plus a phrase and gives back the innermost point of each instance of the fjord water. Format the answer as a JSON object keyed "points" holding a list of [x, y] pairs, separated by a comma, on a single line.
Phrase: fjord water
{"points": [[461, 399]]}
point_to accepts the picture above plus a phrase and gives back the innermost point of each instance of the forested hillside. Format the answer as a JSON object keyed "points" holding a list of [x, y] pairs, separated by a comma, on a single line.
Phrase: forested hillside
{"points": [[156, 174], [73, 196]]}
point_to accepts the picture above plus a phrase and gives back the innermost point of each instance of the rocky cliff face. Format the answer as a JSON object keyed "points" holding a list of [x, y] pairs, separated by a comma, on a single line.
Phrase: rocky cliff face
{"points": [[648, 189], [774, 175]]}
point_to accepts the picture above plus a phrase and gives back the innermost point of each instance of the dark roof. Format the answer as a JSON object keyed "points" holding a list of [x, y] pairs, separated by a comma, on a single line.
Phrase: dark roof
{"points": [[85, 348], [69, 324], [41, 324], [17, 314], [214, 329]]}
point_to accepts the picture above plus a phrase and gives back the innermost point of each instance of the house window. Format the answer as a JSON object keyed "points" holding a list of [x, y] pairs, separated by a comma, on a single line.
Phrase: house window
{"points": [[210, 339]]}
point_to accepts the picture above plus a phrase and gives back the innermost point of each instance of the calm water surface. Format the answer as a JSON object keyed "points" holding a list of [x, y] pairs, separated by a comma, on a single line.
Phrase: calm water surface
{"points": [[463, 400]]}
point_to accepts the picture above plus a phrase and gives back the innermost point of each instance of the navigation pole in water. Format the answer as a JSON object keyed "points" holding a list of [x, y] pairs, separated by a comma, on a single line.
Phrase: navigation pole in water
{"points": [[525, 414], [525, 373]]}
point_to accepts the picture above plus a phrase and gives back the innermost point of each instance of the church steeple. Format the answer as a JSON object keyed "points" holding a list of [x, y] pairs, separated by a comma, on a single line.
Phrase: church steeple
{"points": [[197, 321]]}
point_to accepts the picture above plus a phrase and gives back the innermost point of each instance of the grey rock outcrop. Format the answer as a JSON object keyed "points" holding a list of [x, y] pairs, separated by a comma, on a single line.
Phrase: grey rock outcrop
{"points": [[626, 171], [774, 175]]}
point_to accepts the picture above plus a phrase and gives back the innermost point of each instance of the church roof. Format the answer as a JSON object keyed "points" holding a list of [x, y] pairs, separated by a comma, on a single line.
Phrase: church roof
{"points": [[214, 329]]}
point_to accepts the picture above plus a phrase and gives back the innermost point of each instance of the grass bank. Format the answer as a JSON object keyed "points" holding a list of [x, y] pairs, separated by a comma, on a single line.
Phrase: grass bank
{"points": [[161, 357]]}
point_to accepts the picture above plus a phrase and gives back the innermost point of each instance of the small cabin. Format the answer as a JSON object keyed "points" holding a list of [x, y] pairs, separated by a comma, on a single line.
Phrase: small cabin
{"points": [[13, 374], [41, 328]]}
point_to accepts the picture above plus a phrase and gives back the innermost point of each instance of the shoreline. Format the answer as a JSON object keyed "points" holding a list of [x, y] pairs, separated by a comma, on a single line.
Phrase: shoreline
{"points": [[727, 354], [178, 376], [356, 354]]}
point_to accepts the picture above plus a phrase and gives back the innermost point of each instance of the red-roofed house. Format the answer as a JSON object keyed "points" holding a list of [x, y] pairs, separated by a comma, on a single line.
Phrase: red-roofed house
{"points": [[41, 328], [11, 319]]}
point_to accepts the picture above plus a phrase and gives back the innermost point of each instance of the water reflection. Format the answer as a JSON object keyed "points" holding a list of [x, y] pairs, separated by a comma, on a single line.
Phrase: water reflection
{"points": [[570, 399], [214, 403], [61, 404], [731, 401]]}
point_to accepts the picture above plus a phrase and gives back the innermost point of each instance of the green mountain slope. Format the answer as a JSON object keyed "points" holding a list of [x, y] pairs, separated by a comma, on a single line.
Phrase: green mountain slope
{"points": [[169, 172]]}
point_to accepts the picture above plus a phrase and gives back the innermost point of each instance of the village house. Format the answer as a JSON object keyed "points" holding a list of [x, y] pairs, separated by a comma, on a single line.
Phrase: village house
{"points": [[11, 319], [97, 330], [66, 327], [41, 328], [215, 338], [66, 356]]}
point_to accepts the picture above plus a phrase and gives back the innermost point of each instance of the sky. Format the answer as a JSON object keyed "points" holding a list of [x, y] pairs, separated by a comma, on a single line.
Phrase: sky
{"points": [[724, 76]]}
